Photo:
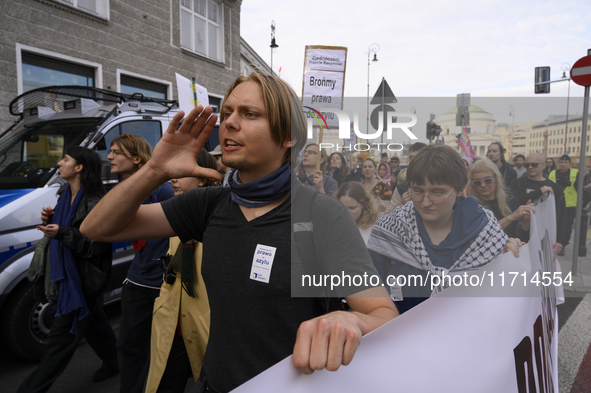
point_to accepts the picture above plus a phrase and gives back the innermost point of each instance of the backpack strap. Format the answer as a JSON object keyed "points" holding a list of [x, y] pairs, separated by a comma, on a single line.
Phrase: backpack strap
{"points": [[303, 237]]}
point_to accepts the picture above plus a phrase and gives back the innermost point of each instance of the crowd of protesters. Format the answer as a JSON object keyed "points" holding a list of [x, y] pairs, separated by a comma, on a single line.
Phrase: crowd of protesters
{"points": [[195, 301]]}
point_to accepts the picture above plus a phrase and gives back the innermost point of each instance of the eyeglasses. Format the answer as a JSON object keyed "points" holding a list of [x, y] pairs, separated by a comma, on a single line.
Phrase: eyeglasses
{"points": [[532, 164], [310, 152], [129, 137], [436, 198], [487, 181], [116, 152]]}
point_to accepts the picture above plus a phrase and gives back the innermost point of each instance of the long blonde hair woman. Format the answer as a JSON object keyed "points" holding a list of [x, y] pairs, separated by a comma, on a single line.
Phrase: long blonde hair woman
{"points": [[486, 184]]}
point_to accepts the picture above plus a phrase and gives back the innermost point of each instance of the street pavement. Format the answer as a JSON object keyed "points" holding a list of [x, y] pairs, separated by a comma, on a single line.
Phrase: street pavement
{"points": [[574, 336], [574, 345], [77, 376]]}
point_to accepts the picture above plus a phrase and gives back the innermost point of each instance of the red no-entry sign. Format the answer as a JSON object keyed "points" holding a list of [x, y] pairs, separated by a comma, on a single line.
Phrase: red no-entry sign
{"points": [[581, 71]]}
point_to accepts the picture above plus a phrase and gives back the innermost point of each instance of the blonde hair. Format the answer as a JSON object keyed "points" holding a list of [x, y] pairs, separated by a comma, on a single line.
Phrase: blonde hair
{"points": [[284, 112], [486, 165], [136, 146]]}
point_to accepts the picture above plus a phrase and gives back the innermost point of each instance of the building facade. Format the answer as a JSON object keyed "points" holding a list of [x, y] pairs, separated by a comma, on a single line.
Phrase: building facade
{"points": [[120, 45]]}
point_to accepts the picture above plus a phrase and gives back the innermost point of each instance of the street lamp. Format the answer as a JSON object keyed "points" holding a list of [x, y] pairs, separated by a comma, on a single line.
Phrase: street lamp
{"points": [[373, 48], [273, 43], [566, 67], [512, 114]]}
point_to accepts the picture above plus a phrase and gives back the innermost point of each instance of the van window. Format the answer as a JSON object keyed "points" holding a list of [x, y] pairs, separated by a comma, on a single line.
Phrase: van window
{"points": [[151, 130]]}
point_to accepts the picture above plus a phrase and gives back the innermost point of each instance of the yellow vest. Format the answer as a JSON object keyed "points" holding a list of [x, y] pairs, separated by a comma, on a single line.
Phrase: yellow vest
{"points": [[570, 193]]}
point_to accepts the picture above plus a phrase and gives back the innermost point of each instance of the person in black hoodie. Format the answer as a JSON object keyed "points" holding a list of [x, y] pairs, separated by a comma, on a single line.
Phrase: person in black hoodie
{"points": [[533, 186], [81, 267], [496, 153]]}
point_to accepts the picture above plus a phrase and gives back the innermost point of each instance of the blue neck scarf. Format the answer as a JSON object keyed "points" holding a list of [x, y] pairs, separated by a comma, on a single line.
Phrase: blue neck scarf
{"points": [[262, 191], [63, 266]]}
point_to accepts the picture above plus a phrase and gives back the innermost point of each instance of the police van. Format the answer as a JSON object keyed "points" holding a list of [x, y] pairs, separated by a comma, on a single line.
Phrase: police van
{"points": [[50, 119]]}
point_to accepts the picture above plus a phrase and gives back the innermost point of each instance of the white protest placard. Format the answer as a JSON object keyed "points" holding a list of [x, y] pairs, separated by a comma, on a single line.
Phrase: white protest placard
{"points": [[188, 91], [324, 81], [465, 339], [324, 59]]}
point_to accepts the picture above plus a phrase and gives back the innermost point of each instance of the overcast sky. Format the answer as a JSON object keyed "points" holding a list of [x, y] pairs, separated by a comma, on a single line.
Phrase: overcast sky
{"points": [[488, 48]]}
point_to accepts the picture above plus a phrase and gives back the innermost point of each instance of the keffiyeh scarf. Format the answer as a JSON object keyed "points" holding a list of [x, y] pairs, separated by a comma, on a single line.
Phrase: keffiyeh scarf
{"points": [[396, 236]]}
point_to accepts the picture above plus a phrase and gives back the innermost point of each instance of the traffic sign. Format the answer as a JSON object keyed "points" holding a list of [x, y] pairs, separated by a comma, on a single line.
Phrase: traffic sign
{"points": [[375, 117], [581, 71], [384, 94]]}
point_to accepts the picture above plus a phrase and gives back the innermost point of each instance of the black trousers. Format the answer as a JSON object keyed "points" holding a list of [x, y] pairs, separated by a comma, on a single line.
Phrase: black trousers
{"points": [[135, 329], [95, 329], [178, 368]]}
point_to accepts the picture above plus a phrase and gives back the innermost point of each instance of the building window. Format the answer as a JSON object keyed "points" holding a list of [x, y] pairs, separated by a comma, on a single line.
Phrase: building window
{"points": [[131, 85], [94, 7], [202, 28], [39, 71]]}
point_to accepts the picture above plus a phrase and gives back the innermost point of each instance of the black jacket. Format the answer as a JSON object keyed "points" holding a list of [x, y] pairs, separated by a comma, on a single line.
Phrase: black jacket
{"points": [[93, 259], [524, 189]]}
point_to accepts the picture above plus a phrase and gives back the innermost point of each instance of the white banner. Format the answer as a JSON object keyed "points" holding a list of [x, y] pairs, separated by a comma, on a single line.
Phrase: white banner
{"points": [[326, 59], [494, 335], [324, 82], [190, 95]]}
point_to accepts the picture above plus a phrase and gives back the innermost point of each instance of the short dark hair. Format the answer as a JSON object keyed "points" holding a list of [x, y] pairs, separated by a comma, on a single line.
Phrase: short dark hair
{"points": [[417, 146], [501, 150], [90, 176], [395, 158], [440, 164], [520, 155]]}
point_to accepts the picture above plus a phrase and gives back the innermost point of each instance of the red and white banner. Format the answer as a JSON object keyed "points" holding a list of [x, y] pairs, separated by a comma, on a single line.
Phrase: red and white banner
{"points": [[498, 336]]}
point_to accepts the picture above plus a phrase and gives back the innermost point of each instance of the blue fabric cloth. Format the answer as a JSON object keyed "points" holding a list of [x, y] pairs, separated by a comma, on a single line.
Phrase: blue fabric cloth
{"points": [[261, 191], [469, 220], [63, 266]]}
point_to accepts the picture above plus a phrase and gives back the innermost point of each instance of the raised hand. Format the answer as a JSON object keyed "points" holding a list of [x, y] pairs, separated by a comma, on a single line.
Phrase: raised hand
{"points": [[175, 155]]}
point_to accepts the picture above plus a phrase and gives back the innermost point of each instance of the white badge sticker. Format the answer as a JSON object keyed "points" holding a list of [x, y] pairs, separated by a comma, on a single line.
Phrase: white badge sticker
{"points": [[396, 293], [262, 263]]}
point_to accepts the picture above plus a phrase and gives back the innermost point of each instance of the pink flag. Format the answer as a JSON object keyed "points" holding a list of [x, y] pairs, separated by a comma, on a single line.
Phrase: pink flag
{"points": [[464, 142], [280, 71]]}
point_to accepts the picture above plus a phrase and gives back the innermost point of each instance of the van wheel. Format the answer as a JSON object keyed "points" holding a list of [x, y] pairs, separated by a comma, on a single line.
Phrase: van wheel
{"points": [[26, 323]]}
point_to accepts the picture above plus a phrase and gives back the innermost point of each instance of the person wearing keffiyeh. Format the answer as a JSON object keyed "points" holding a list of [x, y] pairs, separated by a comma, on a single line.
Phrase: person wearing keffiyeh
{"points": [[439, 231]]}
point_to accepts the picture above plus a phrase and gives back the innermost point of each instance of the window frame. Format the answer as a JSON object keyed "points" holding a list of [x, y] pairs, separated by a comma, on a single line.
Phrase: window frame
{"points": [[103, 9], [98, 68], [134, 75], [220, 26]]}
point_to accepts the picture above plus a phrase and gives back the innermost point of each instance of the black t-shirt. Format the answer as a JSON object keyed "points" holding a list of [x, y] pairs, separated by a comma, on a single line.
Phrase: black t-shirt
{"points": [[253, 324]]}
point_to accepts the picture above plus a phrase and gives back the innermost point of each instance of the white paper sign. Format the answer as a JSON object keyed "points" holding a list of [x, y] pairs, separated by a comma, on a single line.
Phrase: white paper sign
{"points": [[326, 59], [187, 92], [324, 90], [462, 340]]}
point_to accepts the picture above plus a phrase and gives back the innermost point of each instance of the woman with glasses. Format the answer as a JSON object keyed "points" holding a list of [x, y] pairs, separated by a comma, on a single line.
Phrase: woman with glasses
{"points": [[441, 231], [486, 184], [180, 324], [141, 287], [549, 167], [379, 191]]}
